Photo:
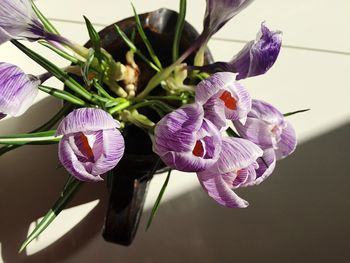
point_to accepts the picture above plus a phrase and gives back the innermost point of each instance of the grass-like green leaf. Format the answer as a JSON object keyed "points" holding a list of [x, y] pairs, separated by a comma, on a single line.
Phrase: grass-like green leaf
{"points": [[178, 29], [230, 132], [134, 48], [47, 24], [94, 37], [46, 126], [295, 112], [157, 203], [59, 52], [33, 138], [69, 191], [145, 39], [63, 95], [56, 71]]}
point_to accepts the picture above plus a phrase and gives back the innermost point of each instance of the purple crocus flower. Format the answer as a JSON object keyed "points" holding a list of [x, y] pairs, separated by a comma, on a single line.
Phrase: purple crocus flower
{"points": [[223, 98], [256, 57], [17, 90], [267, 127], [91, 145], [19, 21], [237, 166], [186, 141]]}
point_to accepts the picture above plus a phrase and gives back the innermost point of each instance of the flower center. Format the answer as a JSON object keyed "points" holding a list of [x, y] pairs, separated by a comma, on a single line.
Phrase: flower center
{"points": [[198, 149], [85, 147], [230, 102]]}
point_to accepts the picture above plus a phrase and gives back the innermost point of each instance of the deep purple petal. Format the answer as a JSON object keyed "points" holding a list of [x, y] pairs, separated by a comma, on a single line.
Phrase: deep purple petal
{"points": [[287, 143], [2, 115], [219, 12], [220, 191], [85, 120], [236, 154], [17, 90]]}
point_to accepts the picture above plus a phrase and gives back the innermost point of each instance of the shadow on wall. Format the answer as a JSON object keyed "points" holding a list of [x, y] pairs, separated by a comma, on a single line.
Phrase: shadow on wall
{"points": [[300, 214]]}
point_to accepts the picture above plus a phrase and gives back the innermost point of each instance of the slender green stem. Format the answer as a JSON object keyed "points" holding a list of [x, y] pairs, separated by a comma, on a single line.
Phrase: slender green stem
{"points": [[36, 138], [60, 52], [161, 105], [295, 112], [157, 203], [57, 72], [145, 39], [119, 107], [178, 29], [70, 189], [164, 98], [134, 48], [46, 126], [102, 91], [47, 24], [62, 94]]}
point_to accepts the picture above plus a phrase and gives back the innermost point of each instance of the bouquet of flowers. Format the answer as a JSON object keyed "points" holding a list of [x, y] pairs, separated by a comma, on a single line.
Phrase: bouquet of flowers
{"points": [[206, 121]]}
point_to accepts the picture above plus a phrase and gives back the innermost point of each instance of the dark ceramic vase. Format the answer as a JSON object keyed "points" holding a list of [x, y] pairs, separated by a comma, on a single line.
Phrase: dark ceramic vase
{"points": [[130, 179]]}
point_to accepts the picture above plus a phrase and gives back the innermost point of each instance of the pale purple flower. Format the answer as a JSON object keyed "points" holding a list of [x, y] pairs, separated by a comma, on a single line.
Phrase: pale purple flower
{"points": [[91, 145], [17, 90], [186, 141], [19, 21], [267, 127], [256, 57], [238, 166], [223, 98]]}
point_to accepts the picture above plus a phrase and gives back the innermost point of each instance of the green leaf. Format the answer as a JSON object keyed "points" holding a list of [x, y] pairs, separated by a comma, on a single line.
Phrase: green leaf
{"points": [[62, 94], [69, 191], [230, 132], [145, 39], [48, 125], [47, 24], [33, 138], [295, 112], [134, 48], [159, 198], [178, 29], [95, 38], [56, 71], [59, 52]]}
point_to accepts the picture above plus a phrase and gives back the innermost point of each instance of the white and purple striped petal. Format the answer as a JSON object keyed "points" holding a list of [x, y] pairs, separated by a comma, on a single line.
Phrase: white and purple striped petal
{"points": [[17, 90], [186, 141], [91, 145], [18, 20], [235, 168], [267, 127], [223, 98]]}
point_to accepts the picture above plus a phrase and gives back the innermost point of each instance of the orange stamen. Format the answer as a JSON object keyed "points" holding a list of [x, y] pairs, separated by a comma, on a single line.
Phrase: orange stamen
{"points": [[86, 149], [198, 149], [230, 102]]}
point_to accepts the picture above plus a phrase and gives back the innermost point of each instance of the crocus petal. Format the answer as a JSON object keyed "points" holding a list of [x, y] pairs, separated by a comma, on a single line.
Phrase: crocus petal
{"points": [[2, 116], [219, 12], [86, 119], [267, 127], [17, 90], [230, 95], [287, 143], [18, 20], [186, 141], [236, 154], [91, 145], [220, 191], [256, 57], [267, 164]]}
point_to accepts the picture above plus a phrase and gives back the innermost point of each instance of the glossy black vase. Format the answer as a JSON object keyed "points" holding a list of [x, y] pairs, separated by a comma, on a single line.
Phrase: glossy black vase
{"points": [[129, 180]]}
